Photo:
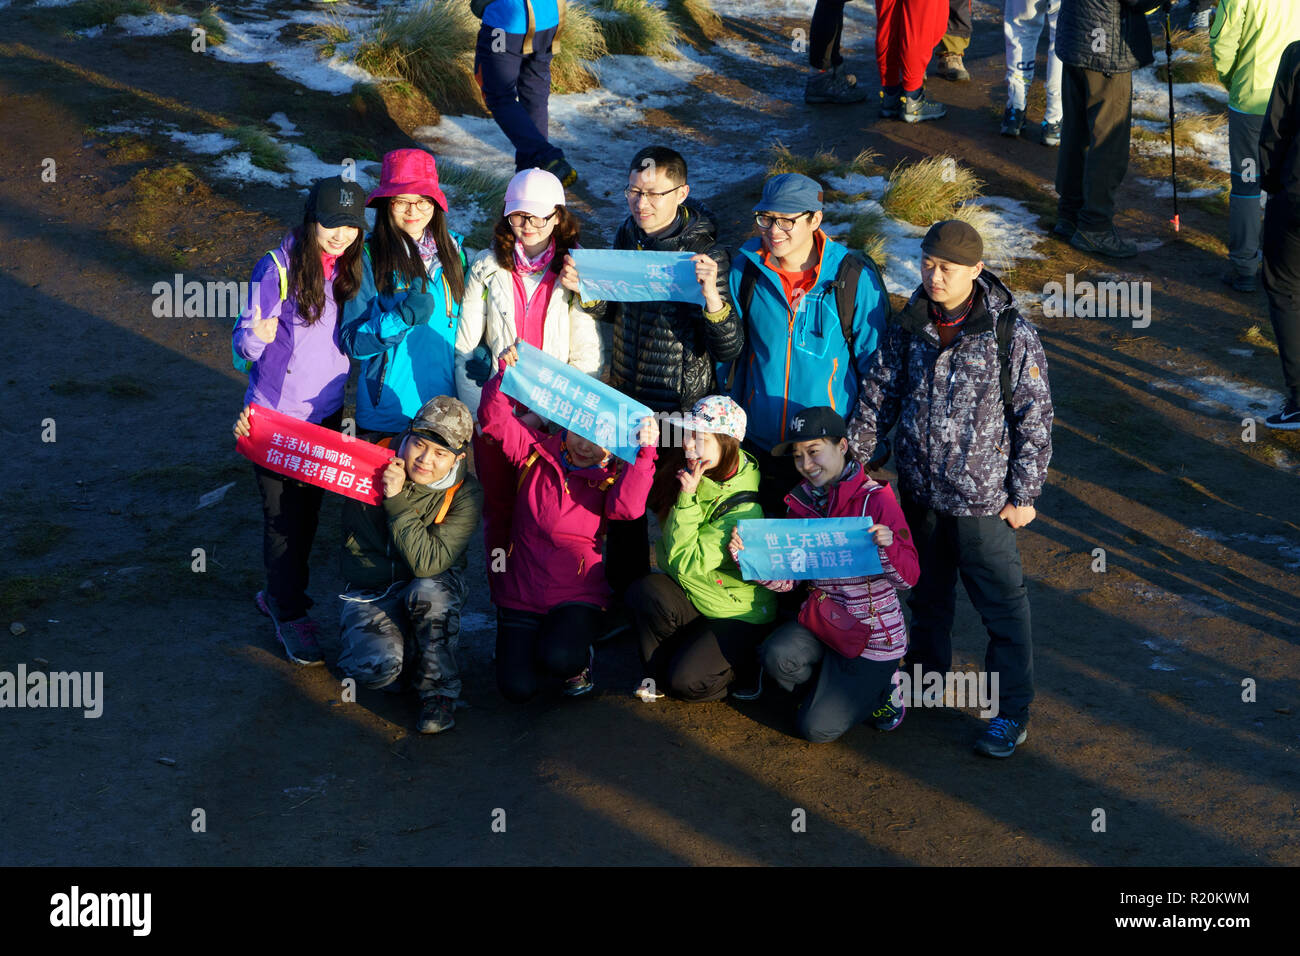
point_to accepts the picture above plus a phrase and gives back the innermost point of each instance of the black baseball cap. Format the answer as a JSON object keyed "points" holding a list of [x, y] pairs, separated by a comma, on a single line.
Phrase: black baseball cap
{"points": [[337, 202], [820, 421]]}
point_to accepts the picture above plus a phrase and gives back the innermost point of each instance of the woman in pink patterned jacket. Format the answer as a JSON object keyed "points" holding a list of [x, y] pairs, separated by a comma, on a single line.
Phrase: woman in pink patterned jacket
{"points": [[845, 690]]}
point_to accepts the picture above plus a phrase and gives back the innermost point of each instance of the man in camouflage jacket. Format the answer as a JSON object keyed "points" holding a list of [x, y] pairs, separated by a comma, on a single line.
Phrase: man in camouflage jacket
{"points": [[968, 471]]}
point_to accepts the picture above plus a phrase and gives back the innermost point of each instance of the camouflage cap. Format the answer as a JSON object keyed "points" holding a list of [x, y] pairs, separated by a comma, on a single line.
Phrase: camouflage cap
{"points": [[446, 420]]}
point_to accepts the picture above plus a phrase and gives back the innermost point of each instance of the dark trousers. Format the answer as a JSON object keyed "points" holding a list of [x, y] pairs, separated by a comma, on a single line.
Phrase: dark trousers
{"points": [[1280, 245], [516, 88], [824, 34], [1098, 113], [777, 477], [290, 513], [845, 691], [983, 552], [692, 656], [535, 647], [627, 543]]}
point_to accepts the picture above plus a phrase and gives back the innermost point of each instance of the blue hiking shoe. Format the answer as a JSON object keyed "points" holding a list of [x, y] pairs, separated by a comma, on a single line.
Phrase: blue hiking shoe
{"points": [[888, 715], [1001, 738], [300, 638]]}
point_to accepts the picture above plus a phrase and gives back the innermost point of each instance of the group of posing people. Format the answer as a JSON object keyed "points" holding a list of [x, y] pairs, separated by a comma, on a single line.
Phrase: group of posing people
{"points": [[772, 398]]}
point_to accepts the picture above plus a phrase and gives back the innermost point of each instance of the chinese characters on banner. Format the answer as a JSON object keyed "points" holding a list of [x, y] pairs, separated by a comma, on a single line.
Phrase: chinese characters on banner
{"points": [[629, 275], [316, 455], [574, 400], [802, 549]]}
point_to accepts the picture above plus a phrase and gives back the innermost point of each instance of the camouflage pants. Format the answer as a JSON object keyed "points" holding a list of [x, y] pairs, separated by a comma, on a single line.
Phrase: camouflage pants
{"points": [[410, 630]]}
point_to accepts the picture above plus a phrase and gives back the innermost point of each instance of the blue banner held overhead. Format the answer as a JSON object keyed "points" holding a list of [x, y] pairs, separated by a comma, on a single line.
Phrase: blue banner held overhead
{"points": [[802, 549], [576, 401], [628, 275]]}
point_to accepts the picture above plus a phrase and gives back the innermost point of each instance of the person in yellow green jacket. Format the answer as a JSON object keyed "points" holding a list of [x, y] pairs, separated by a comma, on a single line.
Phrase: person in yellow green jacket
{"points": [[1247, 38], [698, 623]]}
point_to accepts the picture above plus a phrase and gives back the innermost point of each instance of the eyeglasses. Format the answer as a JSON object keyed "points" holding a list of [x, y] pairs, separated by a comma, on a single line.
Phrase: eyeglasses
{"points": [[403, 206], [652, 198], [784, 223], [519, 218]]}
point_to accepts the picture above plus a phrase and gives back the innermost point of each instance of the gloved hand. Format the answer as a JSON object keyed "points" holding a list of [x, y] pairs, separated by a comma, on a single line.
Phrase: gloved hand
{"points": [[417, 307], [479, 365]]}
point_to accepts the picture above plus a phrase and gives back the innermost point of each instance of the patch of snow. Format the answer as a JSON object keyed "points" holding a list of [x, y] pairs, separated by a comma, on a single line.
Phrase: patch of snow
{"points": [[239, 168], [1213, 390], [153, 24], [286, 127], [1160, 664], [1244, 353], [855, 183], [207, 144]]}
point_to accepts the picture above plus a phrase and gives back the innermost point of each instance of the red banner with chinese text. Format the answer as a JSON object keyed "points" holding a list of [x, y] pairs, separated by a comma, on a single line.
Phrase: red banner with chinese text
{"points": [[314, 454]]}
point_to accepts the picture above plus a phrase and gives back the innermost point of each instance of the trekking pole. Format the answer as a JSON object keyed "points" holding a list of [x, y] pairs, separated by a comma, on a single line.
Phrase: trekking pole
{"points": [[1169, 75]]}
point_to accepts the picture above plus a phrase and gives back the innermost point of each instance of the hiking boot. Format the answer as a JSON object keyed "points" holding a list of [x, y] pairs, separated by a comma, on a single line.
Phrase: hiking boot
{"points": [[918, 109], [1063, 230], [581, 683], [1288, 419], [562, 171], [1106, 243], [436, 714], [299, 637], [1013, 121], [835, 85], [1001, 738], [891, 104], [1051, 134], [951, 68], [1242, 283], [749, 689], [888, 716]]}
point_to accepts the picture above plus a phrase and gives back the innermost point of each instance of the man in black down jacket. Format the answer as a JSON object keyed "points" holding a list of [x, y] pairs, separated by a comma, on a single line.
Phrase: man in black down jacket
{"points": [[664, 353], [1100, 43], [1279, 176]]}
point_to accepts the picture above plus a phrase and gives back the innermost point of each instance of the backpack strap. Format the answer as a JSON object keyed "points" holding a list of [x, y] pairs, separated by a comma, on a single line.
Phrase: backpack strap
{"points": [[523, 472], [283, 269], [446, 502], [1005, 328], [242, 364], [846, 295], [731, 503], [531, 28]]}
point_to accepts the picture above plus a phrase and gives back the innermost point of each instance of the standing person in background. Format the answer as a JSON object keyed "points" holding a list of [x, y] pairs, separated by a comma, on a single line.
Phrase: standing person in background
{"points": [[1022, 25], [289, 333], [906, 34], [832, 83], [1247, 40], [1100, 43], [512, 66], [1279, 172], [401, 327], [513, 295], [664, 352], [955, 42]]}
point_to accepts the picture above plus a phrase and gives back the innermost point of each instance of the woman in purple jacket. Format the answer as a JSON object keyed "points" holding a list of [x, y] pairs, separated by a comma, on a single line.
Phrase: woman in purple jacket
{"points": [[288, 333]]}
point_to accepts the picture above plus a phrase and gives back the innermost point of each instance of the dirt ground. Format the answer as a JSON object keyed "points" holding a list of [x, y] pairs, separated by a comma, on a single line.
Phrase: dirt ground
{"points": [[1139, 670]]}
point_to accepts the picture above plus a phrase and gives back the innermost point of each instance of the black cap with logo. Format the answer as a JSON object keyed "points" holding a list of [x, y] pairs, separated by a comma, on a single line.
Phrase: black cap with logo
{"points": [[337, 202], [820, 421]]}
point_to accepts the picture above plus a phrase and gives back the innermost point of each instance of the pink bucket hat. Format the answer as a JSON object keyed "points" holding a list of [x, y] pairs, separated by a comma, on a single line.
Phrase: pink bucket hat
{"points": [[534, 191], [718, 415], [409, 171]]}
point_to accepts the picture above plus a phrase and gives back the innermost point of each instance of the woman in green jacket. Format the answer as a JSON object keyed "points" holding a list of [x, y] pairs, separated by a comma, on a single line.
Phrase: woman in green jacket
{"points": [[699, 624]]}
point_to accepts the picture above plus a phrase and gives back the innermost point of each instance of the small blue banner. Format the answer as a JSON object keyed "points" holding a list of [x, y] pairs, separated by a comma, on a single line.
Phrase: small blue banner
{"points": [[629, 275], [801, 549], [576, 401]]}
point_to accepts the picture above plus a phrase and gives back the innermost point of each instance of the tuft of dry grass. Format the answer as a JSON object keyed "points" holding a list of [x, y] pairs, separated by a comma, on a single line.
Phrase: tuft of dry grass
{"points": [[696, 17], [821, 163], [1260, 338], [430, 46], [866, 235], [1193, 41], [929, 190], [579, 44], [637, 27]]}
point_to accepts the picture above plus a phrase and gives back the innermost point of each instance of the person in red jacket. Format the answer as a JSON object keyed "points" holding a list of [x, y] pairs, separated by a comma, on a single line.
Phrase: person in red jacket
{"points": [[845, 691], [552, 594], [907, 32]]}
